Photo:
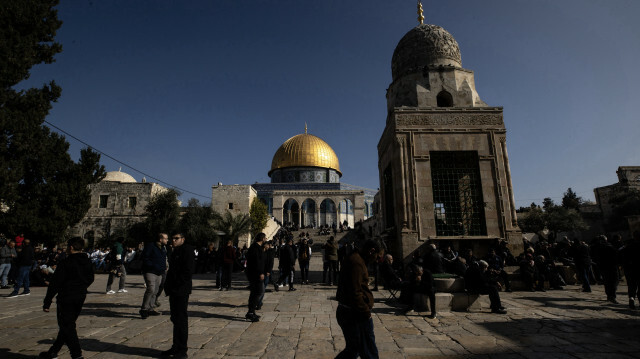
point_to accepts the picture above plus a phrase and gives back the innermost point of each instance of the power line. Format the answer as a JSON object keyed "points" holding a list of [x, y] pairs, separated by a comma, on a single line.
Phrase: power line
{"points": [[122, 163]]}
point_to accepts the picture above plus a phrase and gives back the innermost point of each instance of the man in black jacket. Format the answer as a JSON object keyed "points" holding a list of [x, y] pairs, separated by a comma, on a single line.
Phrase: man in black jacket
{"points": [[269, 259], [178, 287], [69, 282], [287, 263], [255, 274], [154, 265], [24, 263]]}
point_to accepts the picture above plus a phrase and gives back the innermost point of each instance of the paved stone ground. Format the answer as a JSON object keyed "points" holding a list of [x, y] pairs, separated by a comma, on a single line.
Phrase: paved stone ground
{"points": [[302, 324]]}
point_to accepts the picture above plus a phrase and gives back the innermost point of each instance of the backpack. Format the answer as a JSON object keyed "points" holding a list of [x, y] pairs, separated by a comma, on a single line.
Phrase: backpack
{"points": [[304, 252]]}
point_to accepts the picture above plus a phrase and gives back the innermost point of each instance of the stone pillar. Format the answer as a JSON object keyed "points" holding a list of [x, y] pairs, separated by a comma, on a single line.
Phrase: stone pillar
{"points": [[317, 216], [300, 216]]}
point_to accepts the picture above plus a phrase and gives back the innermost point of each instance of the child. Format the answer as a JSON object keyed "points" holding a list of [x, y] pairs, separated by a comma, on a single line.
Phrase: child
{"points": [[70, 282]]}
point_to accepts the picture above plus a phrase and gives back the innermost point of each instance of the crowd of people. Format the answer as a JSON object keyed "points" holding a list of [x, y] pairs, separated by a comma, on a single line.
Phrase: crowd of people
{"points": [[168, 266]]}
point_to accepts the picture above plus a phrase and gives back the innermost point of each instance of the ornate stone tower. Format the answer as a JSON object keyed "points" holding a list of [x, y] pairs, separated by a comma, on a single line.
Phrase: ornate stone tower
{"points": [[442, 158]]}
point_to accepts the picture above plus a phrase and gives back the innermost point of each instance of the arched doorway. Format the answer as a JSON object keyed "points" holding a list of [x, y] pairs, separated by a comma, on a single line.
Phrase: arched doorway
{"points": [[291, 212], [345, 213], [308, 213], [328, 213]]}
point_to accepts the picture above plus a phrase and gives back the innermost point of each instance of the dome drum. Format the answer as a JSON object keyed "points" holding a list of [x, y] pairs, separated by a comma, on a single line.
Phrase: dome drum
{"points": [[305, 174]]}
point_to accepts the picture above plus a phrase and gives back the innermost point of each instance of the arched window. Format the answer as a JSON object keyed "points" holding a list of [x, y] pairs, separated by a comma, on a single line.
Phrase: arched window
{"points": [[445, 99]]}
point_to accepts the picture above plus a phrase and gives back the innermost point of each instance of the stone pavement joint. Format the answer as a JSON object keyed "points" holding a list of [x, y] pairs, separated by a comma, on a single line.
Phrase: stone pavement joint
{"points": [[302, 324]]}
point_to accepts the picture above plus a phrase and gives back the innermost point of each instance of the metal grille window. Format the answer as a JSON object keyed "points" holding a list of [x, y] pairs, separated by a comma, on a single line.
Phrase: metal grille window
{"points": [[457, 193]]}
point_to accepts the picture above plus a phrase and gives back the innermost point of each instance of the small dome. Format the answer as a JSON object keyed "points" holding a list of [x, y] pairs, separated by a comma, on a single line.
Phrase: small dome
{"points": [[305, 150], [424, 45], [118, 176]]}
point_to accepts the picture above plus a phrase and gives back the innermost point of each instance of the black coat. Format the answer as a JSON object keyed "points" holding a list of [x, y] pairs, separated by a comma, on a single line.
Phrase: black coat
{"points": [[269, 258], [255, 261], [287, 257], [181, 267], [71, 279], [475, 280], [26, 256]]}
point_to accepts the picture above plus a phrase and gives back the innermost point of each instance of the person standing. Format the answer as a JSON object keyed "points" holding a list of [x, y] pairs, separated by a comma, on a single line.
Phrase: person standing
{"points": [[117, 267], [582, 259], [7, 255], [331, 260], [178, 287], [24, 262], [287, 263], [631, 266], [608, 264], [154, 265], [355, 302], [69, 282], [269, 259], [304, 255], [255, 273], [228, 259]]}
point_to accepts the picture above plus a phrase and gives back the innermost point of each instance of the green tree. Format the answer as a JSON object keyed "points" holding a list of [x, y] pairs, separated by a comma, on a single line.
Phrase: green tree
{"points": [[195, 223], [42, 190], [532, 221], [232, 226], [554, 218], [570, 200], [163, 213], [259, 216]]}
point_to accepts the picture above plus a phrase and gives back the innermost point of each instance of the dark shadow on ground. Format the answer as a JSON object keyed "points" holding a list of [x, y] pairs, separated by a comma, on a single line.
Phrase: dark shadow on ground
{"points": [[7, 354], [580, 337], [213, 304], [95, 345], [109, 305], [574, 304], [197, 314], [107, 313]]}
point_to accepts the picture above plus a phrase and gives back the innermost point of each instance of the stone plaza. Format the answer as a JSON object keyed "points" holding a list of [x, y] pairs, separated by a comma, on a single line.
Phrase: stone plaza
{"points": [[302, 324]]}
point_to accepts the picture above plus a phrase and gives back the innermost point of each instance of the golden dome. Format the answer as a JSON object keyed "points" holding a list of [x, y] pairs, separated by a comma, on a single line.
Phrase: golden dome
{"points": [[305, 150]]}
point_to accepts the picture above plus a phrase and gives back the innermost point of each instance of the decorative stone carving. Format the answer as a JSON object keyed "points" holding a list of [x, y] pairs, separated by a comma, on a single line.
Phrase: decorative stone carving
{"points": [[424, 45], [458, 119]]}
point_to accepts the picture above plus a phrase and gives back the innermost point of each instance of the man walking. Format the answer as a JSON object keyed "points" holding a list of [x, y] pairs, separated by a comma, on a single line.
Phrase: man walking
{"points": [[154, 264], [70, 281], [178, 287], [7, 255], [255, 274], [355, 302], [24, 262]]}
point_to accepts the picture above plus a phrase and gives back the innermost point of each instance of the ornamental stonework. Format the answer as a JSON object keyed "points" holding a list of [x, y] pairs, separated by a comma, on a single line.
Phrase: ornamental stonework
{"points": [[449, 120]]}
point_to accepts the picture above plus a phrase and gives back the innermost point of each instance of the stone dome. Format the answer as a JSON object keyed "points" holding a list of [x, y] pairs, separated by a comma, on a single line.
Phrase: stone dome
{"points": [[305, 150], [119, 176], [424, 45]]}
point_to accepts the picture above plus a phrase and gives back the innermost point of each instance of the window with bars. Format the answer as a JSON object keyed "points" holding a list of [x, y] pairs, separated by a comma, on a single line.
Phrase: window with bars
{"points": [[457, 193]]}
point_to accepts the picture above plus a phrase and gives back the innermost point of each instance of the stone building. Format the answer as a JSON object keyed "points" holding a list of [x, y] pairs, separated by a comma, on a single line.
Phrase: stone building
{"points": [[628, 180], [305, 189], [117, 202], [442, 158]]}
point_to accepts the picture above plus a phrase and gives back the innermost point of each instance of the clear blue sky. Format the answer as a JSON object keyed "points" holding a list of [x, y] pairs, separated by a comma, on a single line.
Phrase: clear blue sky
{"points": [[200, 92]]}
